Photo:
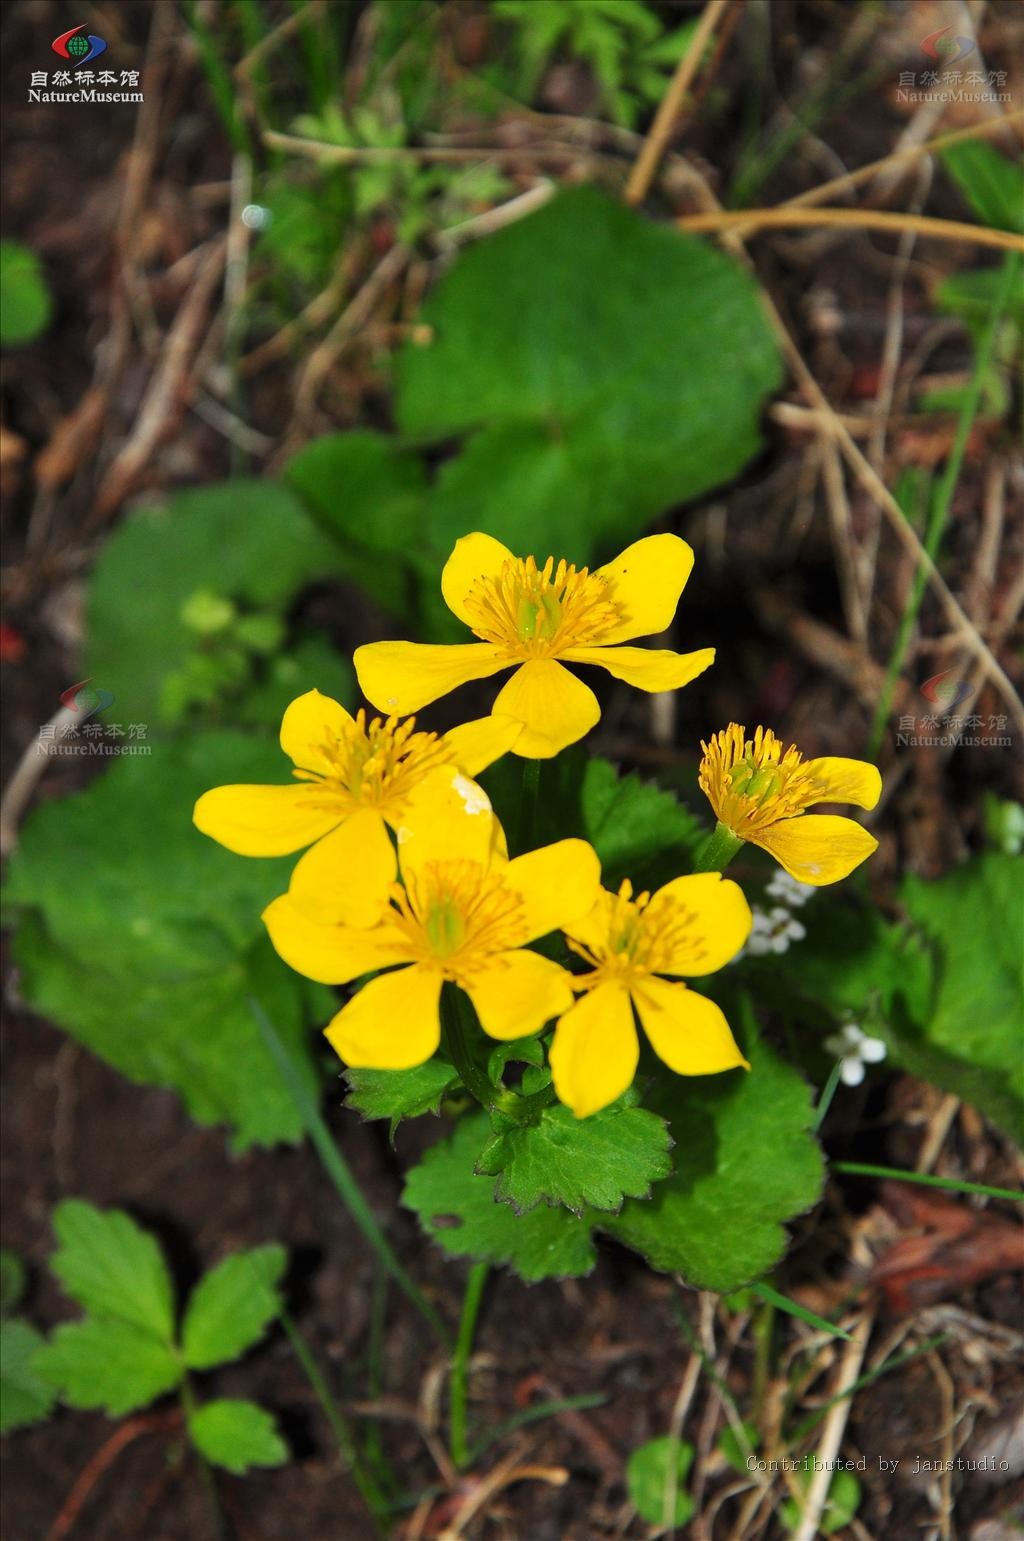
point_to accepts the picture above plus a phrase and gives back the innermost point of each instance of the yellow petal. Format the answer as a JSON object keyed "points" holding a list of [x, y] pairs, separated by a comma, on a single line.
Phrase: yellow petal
{"points": [[647, 581], [475, 556], [478, 744], [309, 726], [447, 818], [846, 781], [332, 955], [648, 668], [721, 924], [559, 884], [595, 1052], [400, 677], [393, 1023], [554, 707], [268, 821], [346, 876], [817, 848], [517, 993], [594, 928], [687, 1031]]}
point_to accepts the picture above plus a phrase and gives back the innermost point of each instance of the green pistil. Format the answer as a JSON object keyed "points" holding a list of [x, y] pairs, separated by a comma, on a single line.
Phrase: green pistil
{"points": [[445, 928], [538, 618]]}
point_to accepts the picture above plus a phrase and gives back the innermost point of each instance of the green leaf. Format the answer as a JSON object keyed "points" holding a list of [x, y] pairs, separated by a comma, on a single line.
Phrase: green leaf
{"points": [[398, 1094], [840, 1505], [579, 1163], [24, 1398], [369, 493], [603, 367], [647, 1476], [250, 542], [237, 1435], [968, 1039], [230, 1307], [458, 1209], [745, 1163], [152, 963], [639, 830], [25, 300], [735, 1452], [113, 1268], [948, 1006], [13, 1281], [109, 1364], [990, 182]]}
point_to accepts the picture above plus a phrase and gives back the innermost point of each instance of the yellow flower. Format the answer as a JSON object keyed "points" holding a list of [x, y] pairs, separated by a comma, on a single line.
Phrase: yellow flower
{"points": [[532, 617], [760, 794], [354, 778], [692, 926], [465, 914]]}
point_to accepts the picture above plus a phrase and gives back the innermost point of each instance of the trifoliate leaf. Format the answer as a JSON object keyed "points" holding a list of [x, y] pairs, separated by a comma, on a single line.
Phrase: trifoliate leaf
{"points": [[109, 1364], [24, 1398], [152, 963], [113, 1268], [230, 1307], [647, 1476], [596, 1161], [398, 1094], [745, 1163], [458, 1209], [13, 1280], [237, 1435], [593, 396]]}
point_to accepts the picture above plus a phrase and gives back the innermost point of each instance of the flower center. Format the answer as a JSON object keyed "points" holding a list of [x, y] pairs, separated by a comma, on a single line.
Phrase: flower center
{"points": [[379, 763], [458, 915], [642, 936], [752, 782], [540, 612]]}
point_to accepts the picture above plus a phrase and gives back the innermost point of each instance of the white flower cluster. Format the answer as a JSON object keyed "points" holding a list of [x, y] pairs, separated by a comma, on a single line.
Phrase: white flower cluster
{"points": [[854, 1049], [774, 929]]}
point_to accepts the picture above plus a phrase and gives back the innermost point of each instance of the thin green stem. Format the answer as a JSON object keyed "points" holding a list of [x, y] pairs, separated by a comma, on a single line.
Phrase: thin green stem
{"points": [[718, 850], [475, 1286], [943, 497], [338, 1171], [528, 806], [496, 1099], [764, 1321], [825, 1100], [781, 1302], [804, 1428], [376, 1501], [189, 1408], [951, 1184]]}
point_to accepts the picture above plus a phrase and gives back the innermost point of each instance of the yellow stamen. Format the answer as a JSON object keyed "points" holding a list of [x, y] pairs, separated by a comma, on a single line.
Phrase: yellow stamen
{"points": [[377, 764], [541, 612], [752, 782], [643, 936], [458, 915]]}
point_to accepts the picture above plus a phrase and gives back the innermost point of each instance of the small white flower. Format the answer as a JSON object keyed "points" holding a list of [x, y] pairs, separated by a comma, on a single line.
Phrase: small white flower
{"points": [[854, 1049], [789, 891], [773, 932]]}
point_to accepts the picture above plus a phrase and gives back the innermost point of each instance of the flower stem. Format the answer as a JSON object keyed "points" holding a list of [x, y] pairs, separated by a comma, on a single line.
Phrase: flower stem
{"points": [[718, 850], [463, 1348], [338, 1170], [496, 1099], [528, 806]]}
